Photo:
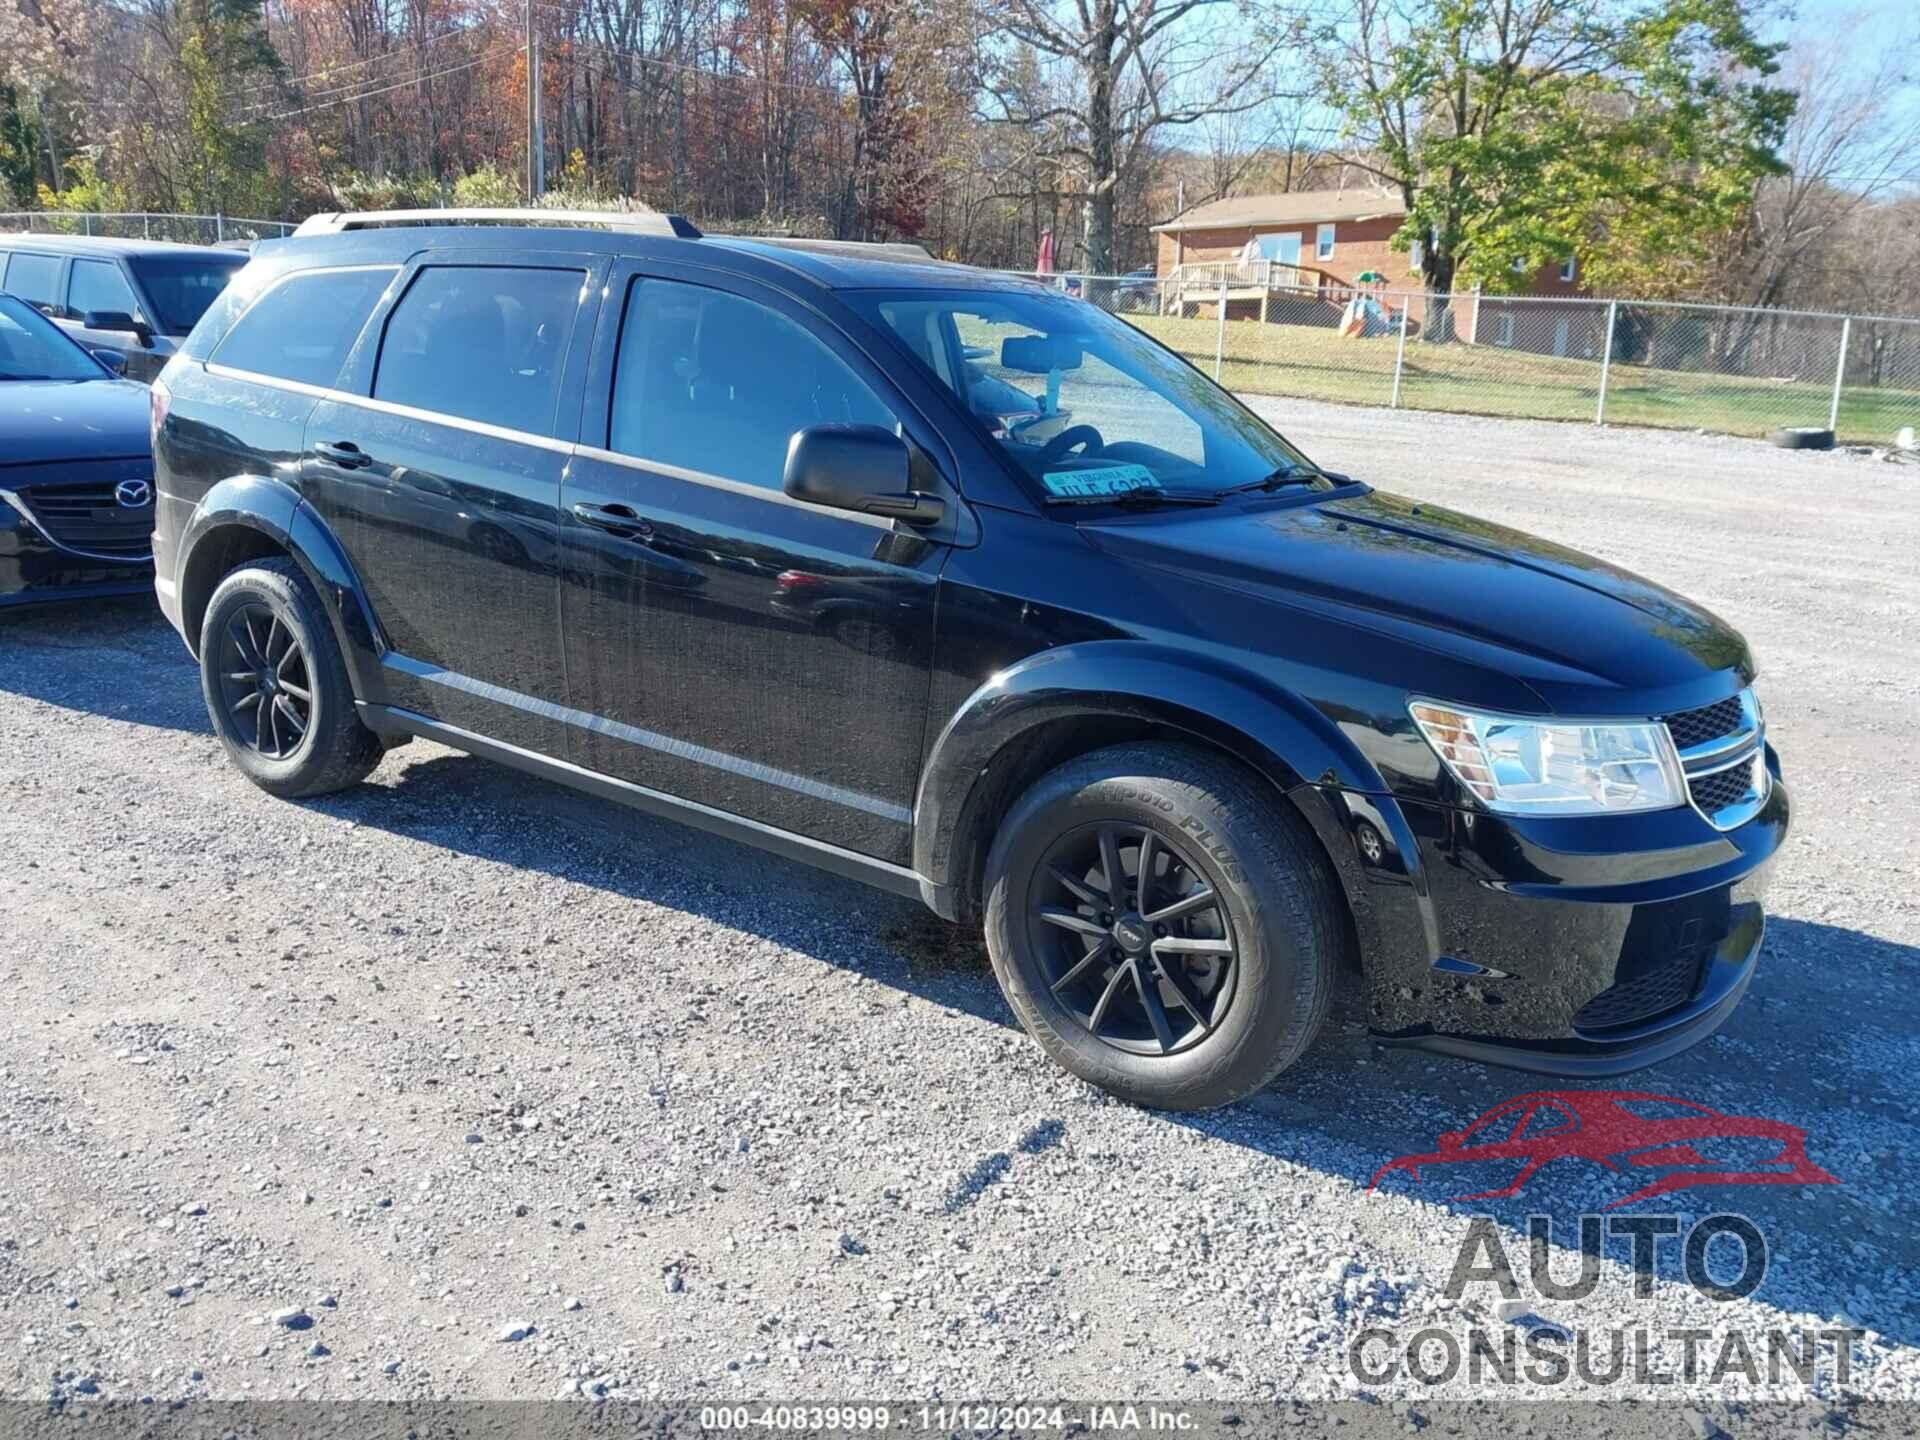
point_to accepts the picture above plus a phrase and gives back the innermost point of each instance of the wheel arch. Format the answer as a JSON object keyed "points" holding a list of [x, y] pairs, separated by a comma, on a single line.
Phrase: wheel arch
{"points": [[1077, 699], [250, 517]]}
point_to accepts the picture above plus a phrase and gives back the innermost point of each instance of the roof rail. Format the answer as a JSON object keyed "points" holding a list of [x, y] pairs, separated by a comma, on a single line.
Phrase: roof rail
{"points": [[640, 222], [899, 249]]}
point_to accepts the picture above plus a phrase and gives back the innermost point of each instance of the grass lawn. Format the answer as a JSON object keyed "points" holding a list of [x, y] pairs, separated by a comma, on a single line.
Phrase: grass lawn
{"points": [[1317, 364]]}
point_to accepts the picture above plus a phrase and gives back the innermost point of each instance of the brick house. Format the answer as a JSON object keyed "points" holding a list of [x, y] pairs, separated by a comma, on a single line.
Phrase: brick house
{"points": [[1313, 245]]}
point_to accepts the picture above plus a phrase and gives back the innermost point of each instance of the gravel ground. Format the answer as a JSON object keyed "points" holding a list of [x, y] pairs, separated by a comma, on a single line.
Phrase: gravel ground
{"points": [[461, 1085]]}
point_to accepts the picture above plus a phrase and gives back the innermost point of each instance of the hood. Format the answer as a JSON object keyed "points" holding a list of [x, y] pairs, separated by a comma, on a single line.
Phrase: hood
{"points": [[1580, 633], [49, 421]]}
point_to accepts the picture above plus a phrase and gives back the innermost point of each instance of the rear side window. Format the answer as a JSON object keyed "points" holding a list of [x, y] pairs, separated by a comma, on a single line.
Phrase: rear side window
{"points": [[99, 285], [34, 278], [716, 383], [484, 342], [302, 328]]}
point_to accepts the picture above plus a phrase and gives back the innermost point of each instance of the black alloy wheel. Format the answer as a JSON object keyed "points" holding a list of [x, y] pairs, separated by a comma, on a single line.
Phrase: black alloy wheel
{"points": [[1135, 942], [264, 681]]}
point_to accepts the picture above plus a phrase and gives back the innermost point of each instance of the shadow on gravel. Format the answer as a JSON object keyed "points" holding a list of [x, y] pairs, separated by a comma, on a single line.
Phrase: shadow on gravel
{"points": [[100, 656], [477, 808]]}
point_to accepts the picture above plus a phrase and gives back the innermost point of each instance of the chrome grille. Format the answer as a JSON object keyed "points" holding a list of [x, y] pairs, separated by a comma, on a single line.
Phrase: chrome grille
{"points": [[1723, 788], [1695, 727], [1722, 750]]}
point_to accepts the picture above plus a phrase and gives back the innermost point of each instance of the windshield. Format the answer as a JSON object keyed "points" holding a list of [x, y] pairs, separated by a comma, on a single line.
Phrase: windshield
{"points": [[181, 287], [32, 347], [1086, 405]]}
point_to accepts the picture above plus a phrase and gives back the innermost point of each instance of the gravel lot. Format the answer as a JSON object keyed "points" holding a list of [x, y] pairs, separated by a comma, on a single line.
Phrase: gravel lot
{"points": [[463, 1085]]}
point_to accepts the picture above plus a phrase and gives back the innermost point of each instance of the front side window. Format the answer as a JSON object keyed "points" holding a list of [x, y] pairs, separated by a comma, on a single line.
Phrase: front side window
{"points": [[34, 278], [99, 285], [181, 287], [718, 384], [32, 347], [302, 328], [483, 342], [1083, 404]]}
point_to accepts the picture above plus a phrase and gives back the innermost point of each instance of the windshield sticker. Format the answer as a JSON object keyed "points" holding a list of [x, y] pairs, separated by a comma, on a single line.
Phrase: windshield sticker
{"points": [[1093, 481]]}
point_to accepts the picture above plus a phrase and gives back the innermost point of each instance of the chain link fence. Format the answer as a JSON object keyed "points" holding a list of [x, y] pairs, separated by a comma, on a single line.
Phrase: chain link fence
{"points": [[143, 225], [1678, 366]]}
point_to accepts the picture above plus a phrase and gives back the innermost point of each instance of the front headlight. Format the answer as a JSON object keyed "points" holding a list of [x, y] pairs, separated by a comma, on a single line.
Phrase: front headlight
{"points": [[1517, 766]]}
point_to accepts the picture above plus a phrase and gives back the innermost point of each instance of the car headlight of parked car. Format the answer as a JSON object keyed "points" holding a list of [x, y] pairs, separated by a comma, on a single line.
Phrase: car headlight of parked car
{"points": [[1519, 766]]}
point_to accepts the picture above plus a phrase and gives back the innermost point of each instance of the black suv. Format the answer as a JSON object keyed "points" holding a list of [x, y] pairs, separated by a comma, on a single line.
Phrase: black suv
{"points": [[959, 586]]}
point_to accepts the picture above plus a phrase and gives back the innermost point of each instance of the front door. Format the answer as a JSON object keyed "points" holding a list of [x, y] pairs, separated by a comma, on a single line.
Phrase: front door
{"points": [[442, 477], [102, 285], [725, 643]]}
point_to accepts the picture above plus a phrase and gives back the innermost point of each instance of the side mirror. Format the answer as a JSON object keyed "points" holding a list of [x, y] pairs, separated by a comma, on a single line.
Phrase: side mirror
{"points": [[114, 360], [858, 467], [119, 320]]}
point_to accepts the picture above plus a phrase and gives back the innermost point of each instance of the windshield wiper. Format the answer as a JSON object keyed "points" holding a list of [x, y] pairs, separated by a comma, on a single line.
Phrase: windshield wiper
{"points": [[1138, 499], [1286, 475]]}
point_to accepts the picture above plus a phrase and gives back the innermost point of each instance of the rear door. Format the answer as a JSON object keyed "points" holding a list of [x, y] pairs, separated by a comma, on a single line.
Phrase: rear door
{"points": [[439, 468], [725, 643], [38, 279]]}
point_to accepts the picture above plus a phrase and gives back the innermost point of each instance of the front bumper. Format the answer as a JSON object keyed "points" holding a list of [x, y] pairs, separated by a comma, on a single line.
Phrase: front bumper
{"points": [[33, 569], [1584, 947]]}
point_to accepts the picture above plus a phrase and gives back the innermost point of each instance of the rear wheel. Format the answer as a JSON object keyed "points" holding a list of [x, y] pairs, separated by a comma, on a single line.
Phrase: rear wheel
{"points": [[1162, 926], [276, 685]]}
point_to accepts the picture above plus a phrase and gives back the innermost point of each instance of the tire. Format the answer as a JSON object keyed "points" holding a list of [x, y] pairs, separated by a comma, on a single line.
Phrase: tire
{"points": [[1803, 437], [1215, 827], [272, 603]]}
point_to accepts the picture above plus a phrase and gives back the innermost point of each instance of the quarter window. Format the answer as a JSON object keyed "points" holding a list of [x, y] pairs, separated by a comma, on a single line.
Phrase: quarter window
{"points": [[303, 327], [98, 285], [711, 382], [483, 342], [35, 279]]}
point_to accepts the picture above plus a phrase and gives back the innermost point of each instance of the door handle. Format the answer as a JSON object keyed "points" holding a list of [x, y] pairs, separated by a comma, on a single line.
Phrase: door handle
{"points": [[344, 453], [620, 520]]}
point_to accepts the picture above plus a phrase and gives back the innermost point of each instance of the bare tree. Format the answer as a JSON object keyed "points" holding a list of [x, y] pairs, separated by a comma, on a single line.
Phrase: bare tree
{"points": [[1129, 69]]}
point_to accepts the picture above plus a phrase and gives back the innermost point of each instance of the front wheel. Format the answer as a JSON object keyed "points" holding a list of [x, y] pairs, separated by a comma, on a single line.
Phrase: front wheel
{"points": [[276, 685], [1162, 926]]}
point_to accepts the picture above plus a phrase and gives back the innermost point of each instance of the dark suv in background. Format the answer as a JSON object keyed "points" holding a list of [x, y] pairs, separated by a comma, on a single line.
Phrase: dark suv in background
{"points": [[135, 298], [962, 587]]}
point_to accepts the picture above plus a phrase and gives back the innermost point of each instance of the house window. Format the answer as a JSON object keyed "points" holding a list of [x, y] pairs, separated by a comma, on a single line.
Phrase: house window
{"points": [[1503, 333], [1519, 265], [1416, 256], [1567, 269], [1283, 248], [1323, 243]]}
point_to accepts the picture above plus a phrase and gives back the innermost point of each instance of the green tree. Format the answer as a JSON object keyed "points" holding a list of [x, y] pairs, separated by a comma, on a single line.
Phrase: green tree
{"points": [[1521, 131], [225, 56], [19, 143]]}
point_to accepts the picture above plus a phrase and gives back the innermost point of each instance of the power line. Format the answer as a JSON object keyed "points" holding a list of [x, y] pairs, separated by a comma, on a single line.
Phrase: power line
{"points": [[410, 49], [419, 79]]}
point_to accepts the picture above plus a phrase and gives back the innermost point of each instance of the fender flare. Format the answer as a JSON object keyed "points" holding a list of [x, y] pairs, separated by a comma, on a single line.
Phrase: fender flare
{"points": [[1230, 708], [274, 509]]}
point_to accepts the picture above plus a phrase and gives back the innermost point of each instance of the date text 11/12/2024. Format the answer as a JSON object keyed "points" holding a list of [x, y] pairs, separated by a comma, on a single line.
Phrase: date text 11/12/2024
{"points": [[949, 1418]]}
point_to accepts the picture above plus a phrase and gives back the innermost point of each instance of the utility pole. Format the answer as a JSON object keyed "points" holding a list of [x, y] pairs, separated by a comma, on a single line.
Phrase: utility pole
{"points": [[536, 136]]}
